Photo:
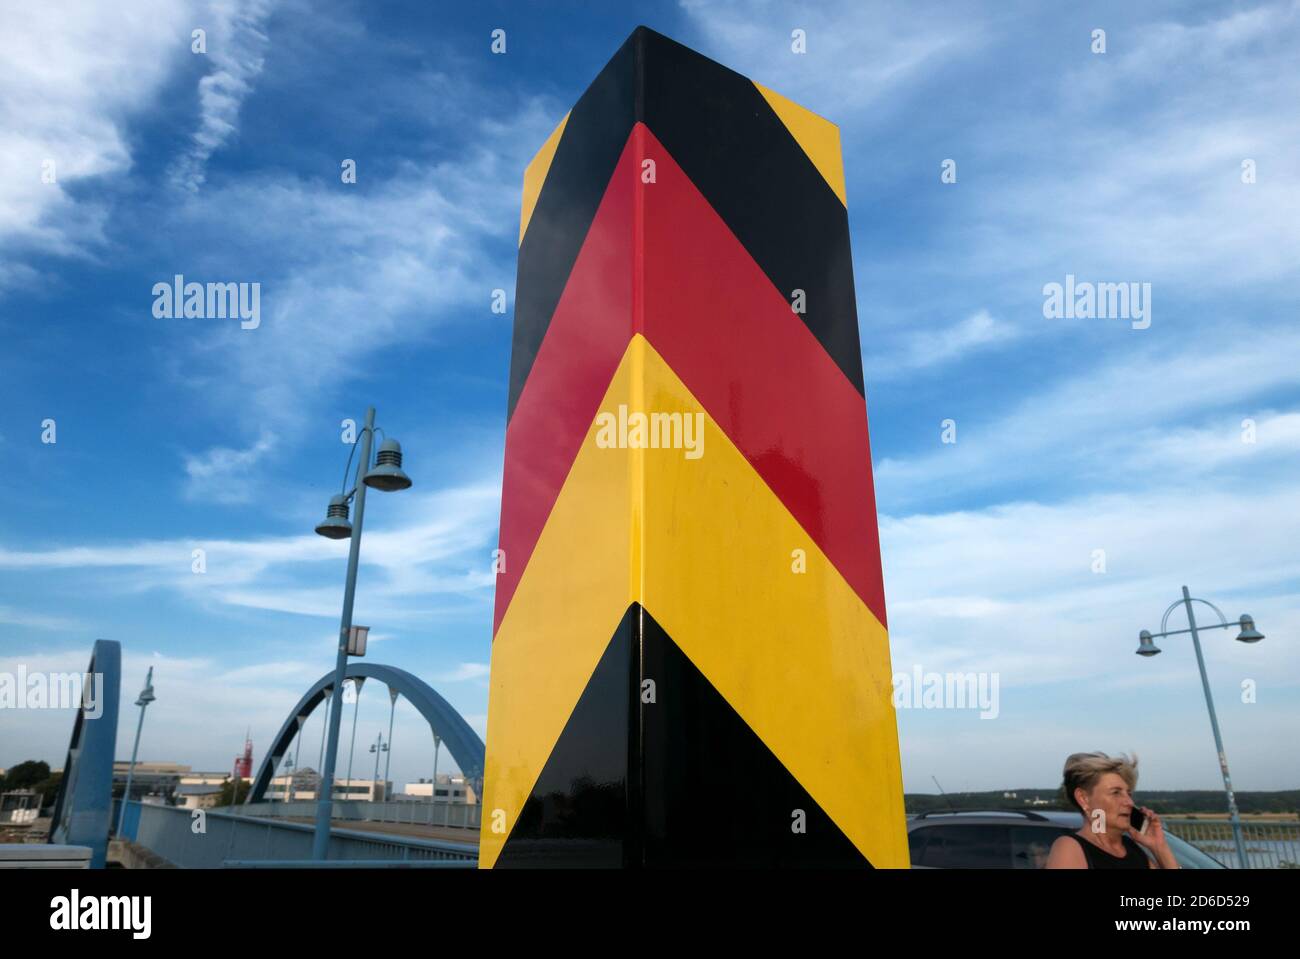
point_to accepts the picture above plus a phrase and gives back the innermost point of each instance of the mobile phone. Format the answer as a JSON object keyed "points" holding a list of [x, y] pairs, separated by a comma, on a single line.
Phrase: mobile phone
{"points": [[1138, 820]]}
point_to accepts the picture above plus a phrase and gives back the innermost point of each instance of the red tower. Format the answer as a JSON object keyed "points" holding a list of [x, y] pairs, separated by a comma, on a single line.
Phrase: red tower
{"points": [[244, 763]]}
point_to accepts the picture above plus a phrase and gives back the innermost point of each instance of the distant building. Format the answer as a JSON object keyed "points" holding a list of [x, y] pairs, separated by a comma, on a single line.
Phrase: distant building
{"points": [[154, 779], [19, 805], [203, 779], [452, 789], [198, 795], [306, 783]]}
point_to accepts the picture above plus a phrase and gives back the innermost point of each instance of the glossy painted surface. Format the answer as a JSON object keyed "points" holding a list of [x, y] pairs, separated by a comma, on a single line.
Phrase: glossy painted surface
{"points": [[733, 337], [84, 805], [743, 583]]}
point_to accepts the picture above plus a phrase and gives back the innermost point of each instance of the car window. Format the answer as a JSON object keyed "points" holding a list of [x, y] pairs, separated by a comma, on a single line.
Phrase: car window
{"points": [[1031, 844], [970, 846]]}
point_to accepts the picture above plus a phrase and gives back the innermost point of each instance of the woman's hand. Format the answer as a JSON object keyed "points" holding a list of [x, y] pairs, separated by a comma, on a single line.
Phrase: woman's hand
{"points": [[1154, 840], [1154, 837]]}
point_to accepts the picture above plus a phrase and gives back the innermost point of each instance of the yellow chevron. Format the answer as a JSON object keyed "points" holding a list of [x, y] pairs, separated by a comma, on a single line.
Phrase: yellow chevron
{"points": [[819, 138], [560, 619], [706, 547], [535, 176]]}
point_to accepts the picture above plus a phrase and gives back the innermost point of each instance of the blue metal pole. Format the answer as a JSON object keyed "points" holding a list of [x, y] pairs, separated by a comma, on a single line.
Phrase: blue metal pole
{"points": [[130, 770], [325, 797], [1218, 740], [356, 707], [392, 709], [323, 729], [379, 748]]}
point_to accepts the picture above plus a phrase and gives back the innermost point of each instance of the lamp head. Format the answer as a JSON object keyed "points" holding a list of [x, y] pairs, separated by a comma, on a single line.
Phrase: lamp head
{"points": [[1146, 645], [387, 474], [336, 525], [146, 694], [1248, 634]]}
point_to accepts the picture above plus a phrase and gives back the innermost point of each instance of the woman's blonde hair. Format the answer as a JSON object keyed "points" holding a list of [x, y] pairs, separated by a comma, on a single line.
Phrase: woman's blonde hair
{"points": [[1082, 770]]}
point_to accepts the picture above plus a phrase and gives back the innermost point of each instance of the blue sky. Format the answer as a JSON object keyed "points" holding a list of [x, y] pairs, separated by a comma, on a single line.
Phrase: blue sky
{"points": [[1073, 435]]}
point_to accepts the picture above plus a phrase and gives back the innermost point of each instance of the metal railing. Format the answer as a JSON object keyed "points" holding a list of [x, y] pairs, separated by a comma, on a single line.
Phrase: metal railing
{"points": [[211, 839], [1269, 845], [452, 815]]}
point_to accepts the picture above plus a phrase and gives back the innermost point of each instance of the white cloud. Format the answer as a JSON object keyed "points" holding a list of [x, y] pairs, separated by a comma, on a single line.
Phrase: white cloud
{"points": [[1108, 424], [75, 74], [348, 271], [1132, 170], [858, 55], [934, 347], [21, 617], [221, 474], [430, 544], [464, 671], [235, 46]]}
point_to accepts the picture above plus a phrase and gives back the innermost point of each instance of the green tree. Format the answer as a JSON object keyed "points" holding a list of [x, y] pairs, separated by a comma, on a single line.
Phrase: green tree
{"points": [[224, 798], [25, 775]]}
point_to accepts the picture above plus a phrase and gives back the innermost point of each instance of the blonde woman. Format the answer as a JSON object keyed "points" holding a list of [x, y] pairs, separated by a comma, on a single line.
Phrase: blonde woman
{"points": [[1102, 789]]}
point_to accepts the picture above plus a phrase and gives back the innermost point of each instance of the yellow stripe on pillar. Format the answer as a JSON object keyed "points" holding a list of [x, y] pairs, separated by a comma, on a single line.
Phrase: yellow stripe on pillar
{"points": [[535, 176], [706, 547], [817, 136]]}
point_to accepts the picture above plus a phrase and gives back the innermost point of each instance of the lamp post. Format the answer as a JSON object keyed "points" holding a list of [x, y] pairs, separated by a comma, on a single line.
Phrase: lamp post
{"points": [[378, 747], [392, 709], [146, 697], [1248, 634], [357, 683], [325, 720], [386, 475], [288, 775], [433, 793]]}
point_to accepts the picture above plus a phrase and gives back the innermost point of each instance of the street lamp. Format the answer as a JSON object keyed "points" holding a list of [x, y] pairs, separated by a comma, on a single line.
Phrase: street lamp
{"points": [[392, 709], [385, 475], [288, 767], [1248, 634], [378, 747], [146, 697], [357, 683]]}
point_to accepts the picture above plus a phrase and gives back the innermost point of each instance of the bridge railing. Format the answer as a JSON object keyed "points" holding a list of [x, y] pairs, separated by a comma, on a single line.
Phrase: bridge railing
{"points": [[1269, 845], [455, 815], [216, 837]]}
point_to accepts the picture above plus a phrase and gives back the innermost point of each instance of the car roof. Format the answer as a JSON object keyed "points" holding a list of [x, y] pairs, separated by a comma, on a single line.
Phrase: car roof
{"points": [[1040, 817]]}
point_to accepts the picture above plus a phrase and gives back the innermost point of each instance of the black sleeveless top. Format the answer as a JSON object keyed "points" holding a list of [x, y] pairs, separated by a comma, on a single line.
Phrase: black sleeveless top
{"points": [[1098, 858]]}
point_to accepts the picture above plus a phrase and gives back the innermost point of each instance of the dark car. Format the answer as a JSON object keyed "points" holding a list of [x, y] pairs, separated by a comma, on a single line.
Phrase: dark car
{"points": [[1009, 839]]}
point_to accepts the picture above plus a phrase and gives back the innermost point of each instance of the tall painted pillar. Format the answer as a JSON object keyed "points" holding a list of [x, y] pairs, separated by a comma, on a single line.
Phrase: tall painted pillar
{"points": [[84, 806], [690, 664]]}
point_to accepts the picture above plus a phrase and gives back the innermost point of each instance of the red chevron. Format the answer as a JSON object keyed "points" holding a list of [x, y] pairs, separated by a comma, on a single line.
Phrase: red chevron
{"points": [[732, 338], [584, 342], [716, 319]]}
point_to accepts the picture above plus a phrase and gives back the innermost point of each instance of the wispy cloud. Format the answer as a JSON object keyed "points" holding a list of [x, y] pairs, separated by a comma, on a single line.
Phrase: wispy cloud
{"points": [[347, 272], [858, 55], [1099, 428], [20, 617], [220, 474], [464, 671], [236, 46], [435, 544], [76, 74], [935, 347]]}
